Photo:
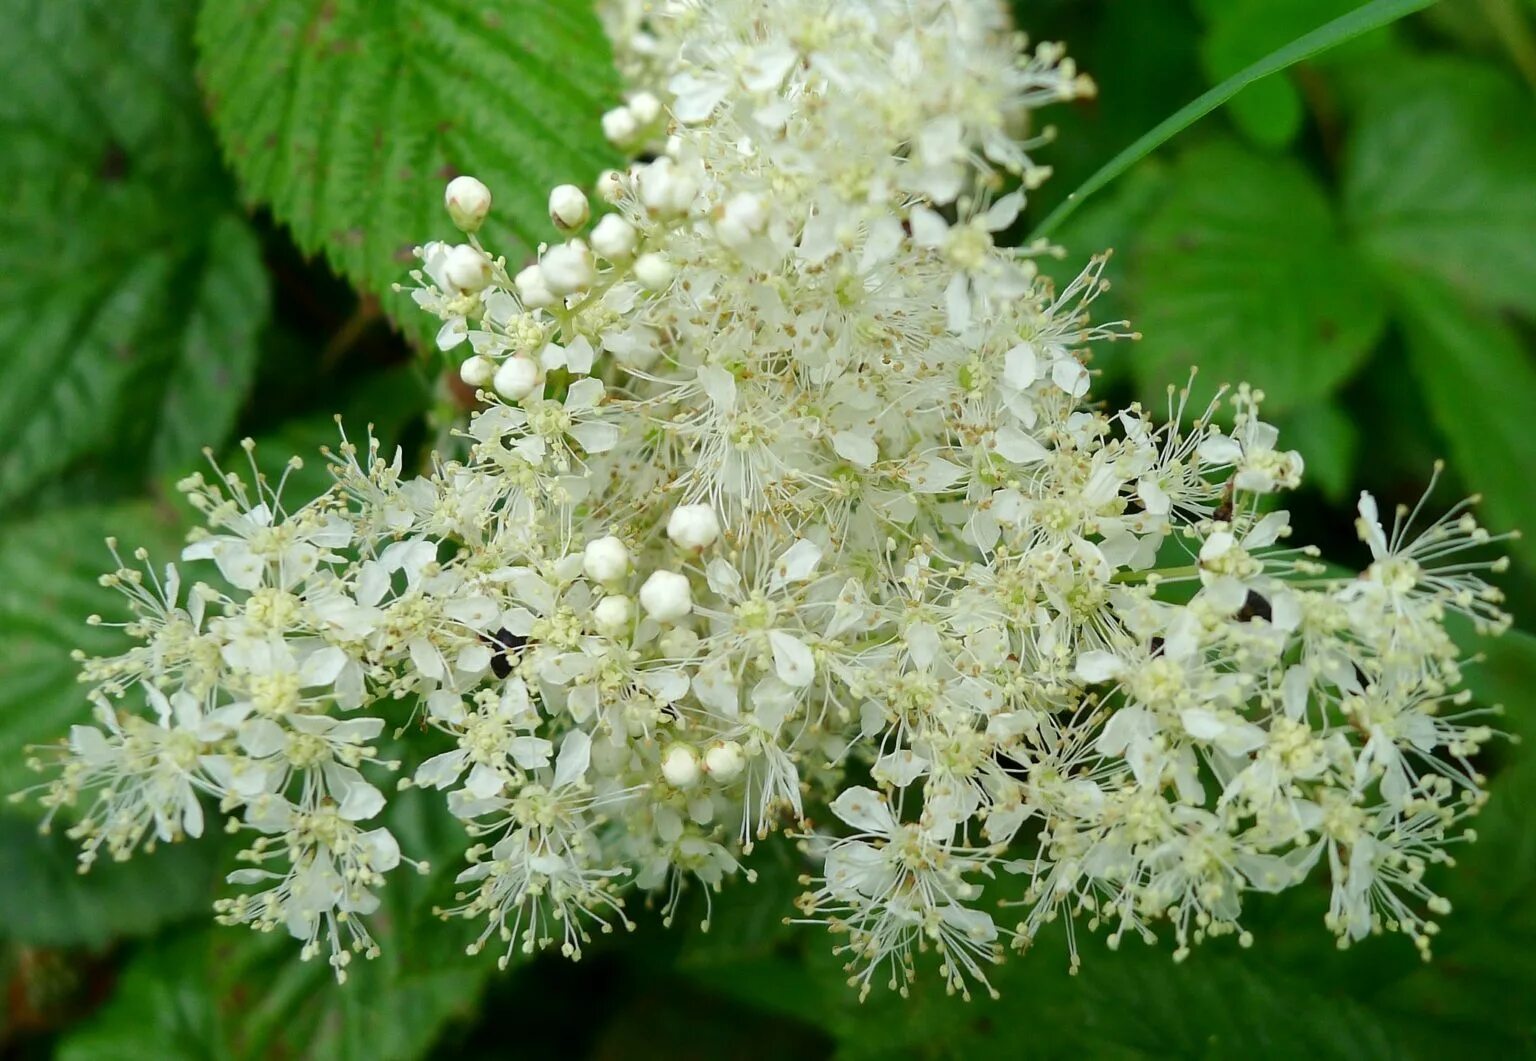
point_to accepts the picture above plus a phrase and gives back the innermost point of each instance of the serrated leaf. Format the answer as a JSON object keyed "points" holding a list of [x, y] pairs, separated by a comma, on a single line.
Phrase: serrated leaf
{"points": [[347, 117], [49, 568], [1473, 373], [131, 290], [1242, 271], [1439, 179]]}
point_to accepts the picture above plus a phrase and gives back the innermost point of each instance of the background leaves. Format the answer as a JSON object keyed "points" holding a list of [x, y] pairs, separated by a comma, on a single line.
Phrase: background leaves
{"points": [[347, 117], [131, 289], [1243, 271]]}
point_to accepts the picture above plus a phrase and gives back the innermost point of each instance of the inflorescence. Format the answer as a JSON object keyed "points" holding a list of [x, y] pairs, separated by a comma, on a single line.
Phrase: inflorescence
{"points": [[787, 501]]}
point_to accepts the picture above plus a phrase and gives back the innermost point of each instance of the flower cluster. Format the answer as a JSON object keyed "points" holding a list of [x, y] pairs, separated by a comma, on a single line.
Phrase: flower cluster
{"points": [[786, 496]]}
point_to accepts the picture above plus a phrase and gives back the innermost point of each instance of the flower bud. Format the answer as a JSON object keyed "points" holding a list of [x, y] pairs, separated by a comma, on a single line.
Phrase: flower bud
{"points": [[724, 761], [477, 371], [680, 766], [517, 378], [467, 269], [620, 126], [568, 208], [468, 201], [645, 108], [610, 186], [664, 189], [614, 238], [568, 268], [693, 526], [613, 614], [654, 271], [532, 289], [666, 596], [742, 218], [605, 559]]}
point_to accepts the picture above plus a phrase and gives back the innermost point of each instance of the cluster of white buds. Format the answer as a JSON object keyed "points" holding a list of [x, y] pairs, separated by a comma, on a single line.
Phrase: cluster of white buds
{"points": [[787, 497]]}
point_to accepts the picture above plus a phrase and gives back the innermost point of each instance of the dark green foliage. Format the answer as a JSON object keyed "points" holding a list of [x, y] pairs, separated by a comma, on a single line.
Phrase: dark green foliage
{"points": [[131, 289]]}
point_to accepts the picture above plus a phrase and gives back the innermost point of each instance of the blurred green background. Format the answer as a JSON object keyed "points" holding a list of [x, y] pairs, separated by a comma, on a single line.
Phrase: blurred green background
{"points": [[207, 205]]}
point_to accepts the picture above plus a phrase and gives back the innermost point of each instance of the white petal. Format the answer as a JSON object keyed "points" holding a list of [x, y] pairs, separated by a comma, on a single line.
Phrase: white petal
{"points": [[792, 660], [1099, 666], [575, 756], [856, 448], [596, 436], [865, 810], [583, 394], [795, 564], [1018, 447], [440, 771], [322, 667]]}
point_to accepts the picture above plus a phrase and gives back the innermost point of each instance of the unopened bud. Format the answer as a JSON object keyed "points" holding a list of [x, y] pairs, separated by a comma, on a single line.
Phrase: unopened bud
{"points": [[532, 288], [612, 614], [477, 371], [654, 271], [614, 238], [693, 526], [620, 126], [517, 378], [724, 761], [468, 202], [645, 108], [568, 268], [666, 596], [568, 208], [467, 269], [605, 559], [680, 766]]}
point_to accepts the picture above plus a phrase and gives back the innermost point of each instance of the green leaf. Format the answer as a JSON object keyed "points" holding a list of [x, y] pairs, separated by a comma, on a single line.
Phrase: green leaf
{"points": [[1269, 112], [1242, 272], [1439, 179], [1363, 19], [131, 290], [1473, 373], [45, 901], [1330, 441], [159, 1011], [48, 571], [347, 117], [229, 992]]}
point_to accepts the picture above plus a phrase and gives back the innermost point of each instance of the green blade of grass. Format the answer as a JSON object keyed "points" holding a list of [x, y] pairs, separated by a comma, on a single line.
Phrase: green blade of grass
{"points": [[1363, 19]]}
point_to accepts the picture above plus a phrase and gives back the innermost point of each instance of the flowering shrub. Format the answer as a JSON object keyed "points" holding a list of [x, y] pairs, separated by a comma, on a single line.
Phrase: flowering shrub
{"points": [[788, 514]]}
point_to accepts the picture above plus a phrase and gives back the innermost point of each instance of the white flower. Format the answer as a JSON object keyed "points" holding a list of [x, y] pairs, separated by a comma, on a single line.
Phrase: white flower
{"points": [[796, 323]]}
